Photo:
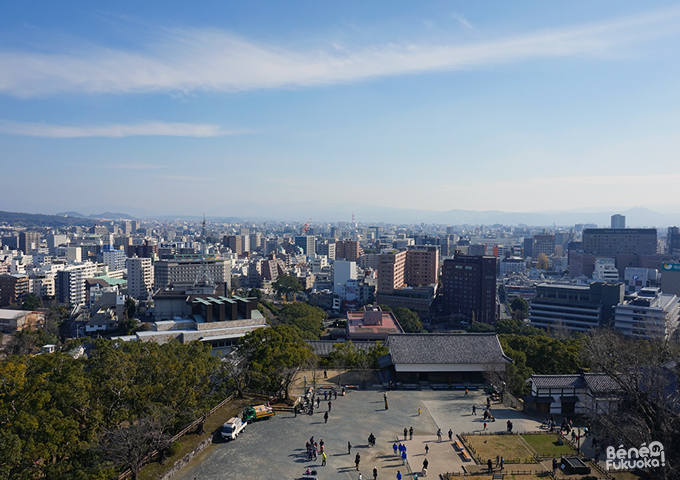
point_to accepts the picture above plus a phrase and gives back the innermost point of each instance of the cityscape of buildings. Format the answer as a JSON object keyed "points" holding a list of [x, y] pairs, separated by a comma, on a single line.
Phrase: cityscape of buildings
{"points": [[575, 278]]}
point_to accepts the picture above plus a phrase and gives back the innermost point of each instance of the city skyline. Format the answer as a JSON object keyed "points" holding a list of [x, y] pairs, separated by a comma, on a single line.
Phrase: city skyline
{"points": [[181, 111]]}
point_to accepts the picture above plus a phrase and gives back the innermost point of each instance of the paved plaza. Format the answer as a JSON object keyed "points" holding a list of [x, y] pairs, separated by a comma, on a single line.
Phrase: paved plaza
{"points": [[275, 448]]}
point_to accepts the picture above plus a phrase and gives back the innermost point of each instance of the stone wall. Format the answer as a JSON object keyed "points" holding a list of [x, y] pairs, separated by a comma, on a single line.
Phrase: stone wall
{"points": [[182, 462]]}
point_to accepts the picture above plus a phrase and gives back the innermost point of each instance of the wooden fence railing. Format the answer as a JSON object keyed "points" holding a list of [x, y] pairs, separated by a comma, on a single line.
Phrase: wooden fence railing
{"points": [[180, 434]]}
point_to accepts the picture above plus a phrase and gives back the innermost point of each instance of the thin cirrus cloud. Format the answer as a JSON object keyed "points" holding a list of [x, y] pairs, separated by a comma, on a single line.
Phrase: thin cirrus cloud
{"points": [[215, 60], [114, 131]]}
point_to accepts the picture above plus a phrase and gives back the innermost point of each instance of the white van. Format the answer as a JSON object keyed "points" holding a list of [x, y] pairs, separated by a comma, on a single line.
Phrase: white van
{"points": [[232, 428]]}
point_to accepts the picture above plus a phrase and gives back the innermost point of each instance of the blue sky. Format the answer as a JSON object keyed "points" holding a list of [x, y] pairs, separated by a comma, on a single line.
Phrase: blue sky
{"points": [[189, 107]]}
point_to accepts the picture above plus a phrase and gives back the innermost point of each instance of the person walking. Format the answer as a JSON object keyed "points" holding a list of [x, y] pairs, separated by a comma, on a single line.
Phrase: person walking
{"points": [[394, 447], [318, 402], [554, 465], [349, 448], [498, 460], [330, 404], [398, 475], [466, 392], [403, 457], [474, 410], [357, 459], [410, 433], [425, 464], [484, 426], [375, 473], [450, 435], [489, 464], [405, 433], [427, 449], [439, 435], [335, 394], [418, 412], [325, 417], [502, 463], [323, 459]]}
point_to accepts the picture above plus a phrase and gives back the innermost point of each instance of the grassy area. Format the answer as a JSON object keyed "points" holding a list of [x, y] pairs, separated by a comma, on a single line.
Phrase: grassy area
{"points": [[546, 445], [507, 446], [190, 441]]}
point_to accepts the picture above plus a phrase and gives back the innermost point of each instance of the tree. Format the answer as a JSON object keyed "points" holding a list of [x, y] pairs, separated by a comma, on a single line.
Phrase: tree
{"points": [[31, 302], [644, 377], [516, 327], [130, 308], [23, 342], [306, 318], [542, 261], [257, 293], [236, 370], [286, 284], [130, 446], [519, 308], [275, 355], [479, 327], [408, 319]]}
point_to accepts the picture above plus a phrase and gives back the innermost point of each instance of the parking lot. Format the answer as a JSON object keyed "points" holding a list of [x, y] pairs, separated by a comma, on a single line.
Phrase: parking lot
{"points": [[275, 448]]}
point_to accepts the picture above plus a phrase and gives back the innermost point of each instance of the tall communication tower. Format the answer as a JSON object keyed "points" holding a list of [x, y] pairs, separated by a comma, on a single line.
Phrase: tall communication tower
{"points": [[203, 277]]}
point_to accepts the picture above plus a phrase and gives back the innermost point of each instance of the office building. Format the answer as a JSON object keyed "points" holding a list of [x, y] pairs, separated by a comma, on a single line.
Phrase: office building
{"points": [[422, 265], [70, 283], [670, 278], [609, 242], [233, 243], [673, 240], [255, 241], [343, 271], [307, 243], [391, 271], [29, 241], [347, 250], [114, 258], [647, 314], [326, 248], [187, 269], [146, 250], [469, 284], [140, 277], [618, 221], [512, 265], [576, 307], [56, 240], [543, 243], [13, 289], [527, 247], [605, 270]]}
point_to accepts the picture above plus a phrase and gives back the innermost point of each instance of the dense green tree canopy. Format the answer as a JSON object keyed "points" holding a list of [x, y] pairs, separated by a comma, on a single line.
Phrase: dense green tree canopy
{"points": [[286, 284], [306, 318], [275, 355], [54, 408]]}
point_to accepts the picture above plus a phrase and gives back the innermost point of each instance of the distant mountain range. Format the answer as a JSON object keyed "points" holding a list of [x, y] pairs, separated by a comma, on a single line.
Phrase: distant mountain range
{"points": [[105, 215], [325, 212]]}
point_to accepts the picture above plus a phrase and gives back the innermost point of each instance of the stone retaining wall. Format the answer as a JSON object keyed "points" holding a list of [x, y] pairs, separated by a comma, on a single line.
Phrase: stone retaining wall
{"points": [[184, 461]]}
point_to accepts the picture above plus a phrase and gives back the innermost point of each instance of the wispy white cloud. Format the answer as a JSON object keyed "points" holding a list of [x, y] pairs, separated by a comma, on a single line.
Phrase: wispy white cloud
{"points": [[114, 131], [215, 60], [462, 21]]}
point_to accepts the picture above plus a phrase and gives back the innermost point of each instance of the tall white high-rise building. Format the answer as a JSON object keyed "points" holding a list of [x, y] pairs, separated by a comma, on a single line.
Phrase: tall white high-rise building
{"points": [[140, 277]]}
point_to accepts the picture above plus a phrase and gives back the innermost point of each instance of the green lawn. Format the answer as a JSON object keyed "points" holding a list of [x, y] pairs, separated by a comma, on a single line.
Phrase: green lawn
{"points": [[507, 446], [546, 445]]}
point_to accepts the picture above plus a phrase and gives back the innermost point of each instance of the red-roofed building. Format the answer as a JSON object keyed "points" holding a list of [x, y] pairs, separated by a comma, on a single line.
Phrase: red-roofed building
{"points": [[371, 324]]}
